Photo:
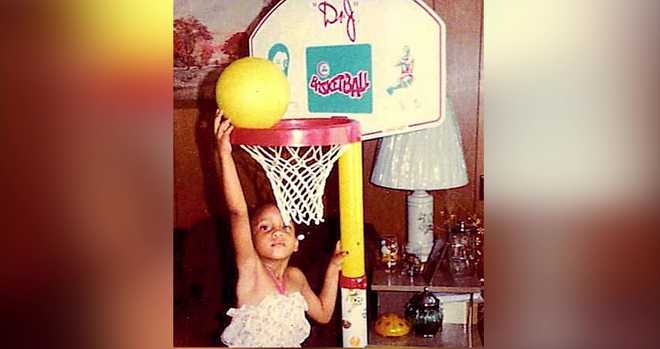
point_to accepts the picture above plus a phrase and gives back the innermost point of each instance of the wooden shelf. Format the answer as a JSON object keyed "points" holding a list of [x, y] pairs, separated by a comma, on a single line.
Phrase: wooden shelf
{"points": [[451, 336], [441, 282], [393, 290]]}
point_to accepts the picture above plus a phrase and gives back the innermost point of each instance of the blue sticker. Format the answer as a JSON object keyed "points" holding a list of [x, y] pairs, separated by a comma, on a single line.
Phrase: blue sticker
{"points": [[279, 54], [339, 79]]}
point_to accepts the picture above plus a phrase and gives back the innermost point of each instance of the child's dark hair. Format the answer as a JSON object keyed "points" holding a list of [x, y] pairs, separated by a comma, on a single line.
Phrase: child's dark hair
{"points": [[253, 210]]}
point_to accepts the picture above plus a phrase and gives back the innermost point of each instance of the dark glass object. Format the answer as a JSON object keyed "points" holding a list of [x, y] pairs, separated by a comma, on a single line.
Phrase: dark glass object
{"points": [[412, 265], [424, 312]]}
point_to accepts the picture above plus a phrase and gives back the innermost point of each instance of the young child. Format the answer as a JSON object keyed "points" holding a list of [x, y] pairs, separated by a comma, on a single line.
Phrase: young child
{"points": [[272, 296]]}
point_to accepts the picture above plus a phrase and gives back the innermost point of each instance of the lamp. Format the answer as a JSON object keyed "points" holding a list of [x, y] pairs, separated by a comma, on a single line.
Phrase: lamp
{"points": [[429, 159]]}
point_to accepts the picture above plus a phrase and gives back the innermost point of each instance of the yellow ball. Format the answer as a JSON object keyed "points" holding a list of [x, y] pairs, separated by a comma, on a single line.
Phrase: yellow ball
{"points": [[252, 92]]}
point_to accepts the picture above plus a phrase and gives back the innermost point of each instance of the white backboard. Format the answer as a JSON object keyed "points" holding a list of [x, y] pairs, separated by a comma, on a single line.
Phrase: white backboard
{"points": [[381, 62]]}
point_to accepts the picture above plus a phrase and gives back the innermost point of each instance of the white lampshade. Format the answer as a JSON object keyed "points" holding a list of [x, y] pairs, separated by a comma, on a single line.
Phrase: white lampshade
{"points": [[429, 159]]}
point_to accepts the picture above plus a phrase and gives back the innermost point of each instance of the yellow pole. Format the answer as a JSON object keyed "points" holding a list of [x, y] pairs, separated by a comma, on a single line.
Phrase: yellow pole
{"points": [[351, 211], [353, 280]]}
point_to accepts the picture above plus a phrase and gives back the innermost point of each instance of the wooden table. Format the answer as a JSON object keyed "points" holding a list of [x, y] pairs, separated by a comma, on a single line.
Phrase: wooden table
{"points": [[391, 287]]}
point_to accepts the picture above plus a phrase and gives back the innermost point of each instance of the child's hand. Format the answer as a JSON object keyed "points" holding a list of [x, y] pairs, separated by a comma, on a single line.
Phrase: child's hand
{"points": [[338, 256], [223, 129]]}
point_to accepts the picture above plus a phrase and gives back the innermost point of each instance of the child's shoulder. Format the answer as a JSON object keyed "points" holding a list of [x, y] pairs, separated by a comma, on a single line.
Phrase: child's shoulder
{"points": [[295, 274], [296, 279]]}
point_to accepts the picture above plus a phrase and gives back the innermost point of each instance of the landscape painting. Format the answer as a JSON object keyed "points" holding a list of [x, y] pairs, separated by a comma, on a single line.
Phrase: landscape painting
{"points": [[208, 35]]}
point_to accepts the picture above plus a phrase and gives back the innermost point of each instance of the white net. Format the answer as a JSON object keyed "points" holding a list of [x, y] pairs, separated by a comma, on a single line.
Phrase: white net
{"points": [[297, 176]]}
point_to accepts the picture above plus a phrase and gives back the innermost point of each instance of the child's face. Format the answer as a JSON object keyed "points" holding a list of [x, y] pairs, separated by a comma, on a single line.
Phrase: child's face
{"points": [[272, 238]]}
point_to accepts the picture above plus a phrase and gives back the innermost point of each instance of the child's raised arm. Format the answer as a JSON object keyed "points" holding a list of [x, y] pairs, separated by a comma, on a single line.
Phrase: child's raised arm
{"points": [[231, 185]]}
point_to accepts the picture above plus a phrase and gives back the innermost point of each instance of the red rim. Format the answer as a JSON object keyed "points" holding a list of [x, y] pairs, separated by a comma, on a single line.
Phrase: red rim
{"points": [[301, 132]]}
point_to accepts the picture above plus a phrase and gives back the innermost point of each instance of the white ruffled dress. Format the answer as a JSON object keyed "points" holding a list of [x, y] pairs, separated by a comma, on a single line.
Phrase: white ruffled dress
{"points": [[277, 321]]}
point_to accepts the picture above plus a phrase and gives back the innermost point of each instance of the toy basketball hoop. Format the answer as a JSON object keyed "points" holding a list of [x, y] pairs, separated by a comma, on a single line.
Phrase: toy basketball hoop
{"points": [[297, 156]]}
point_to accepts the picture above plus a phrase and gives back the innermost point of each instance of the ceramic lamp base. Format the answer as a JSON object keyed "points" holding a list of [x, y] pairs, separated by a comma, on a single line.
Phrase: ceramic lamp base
{"points": [[420, 224]]}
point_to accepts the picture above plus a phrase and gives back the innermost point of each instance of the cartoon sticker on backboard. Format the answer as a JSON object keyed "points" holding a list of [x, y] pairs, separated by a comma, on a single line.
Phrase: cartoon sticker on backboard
{"points": [[279, 54], [406, 64], [401, 91]]}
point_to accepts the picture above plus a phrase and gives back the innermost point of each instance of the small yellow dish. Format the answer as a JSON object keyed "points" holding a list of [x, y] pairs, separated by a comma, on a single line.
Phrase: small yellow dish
{"points": [[391, 325]]}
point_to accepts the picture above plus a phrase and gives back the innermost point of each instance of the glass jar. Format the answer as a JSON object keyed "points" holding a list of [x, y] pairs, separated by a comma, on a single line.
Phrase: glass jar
{"points": [[460, 266], [424, 312], [411, 265], [459, 258]]}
